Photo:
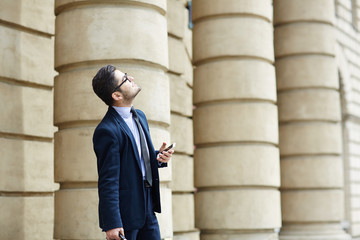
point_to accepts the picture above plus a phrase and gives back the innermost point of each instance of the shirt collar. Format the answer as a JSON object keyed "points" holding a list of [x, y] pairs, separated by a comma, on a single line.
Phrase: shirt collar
{"points": [[124, 112]]}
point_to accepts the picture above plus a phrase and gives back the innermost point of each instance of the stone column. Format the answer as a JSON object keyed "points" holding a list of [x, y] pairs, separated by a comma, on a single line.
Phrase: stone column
{"points": [[309, 116], [235, 121], [132, 35], [181, 76], [26, 128]]}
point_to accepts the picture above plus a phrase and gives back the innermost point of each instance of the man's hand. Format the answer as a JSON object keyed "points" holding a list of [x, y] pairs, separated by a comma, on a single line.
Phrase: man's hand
{"points": [[164, 157], [113, 234]]}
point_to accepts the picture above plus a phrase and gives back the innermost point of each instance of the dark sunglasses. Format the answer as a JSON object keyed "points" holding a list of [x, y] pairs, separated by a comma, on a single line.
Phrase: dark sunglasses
{"points": [[124, 79]]}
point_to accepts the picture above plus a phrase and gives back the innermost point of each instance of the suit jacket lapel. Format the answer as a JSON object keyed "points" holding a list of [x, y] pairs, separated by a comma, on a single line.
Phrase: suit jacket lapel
{"points": [[128, 132]]}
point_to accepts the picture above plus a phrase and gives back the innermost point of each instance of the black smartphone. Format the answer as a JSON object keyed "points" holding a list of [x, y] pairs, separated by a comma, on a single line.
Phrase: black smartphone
{"points": [[169, 147], [122, 236]]}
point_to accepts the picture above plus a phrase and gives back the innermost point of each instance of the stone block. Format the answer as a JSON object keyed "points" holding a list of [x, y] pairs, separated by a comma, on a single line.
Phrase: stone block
{"points": [[206, 8], [312, 205], [237, 165], [187, 236], [224, 37], [312, 172], [352, 131], [354, 188], [309, 104], [17, 171], [188, 72], [180, 96], [175, 18], [314, 230], [316, 71], [75, 100], [183, 173], [245, 122], [354, 175], [353, 109], [75, 160], [82, 34], [177, 55], [303, 10], [345, 14], [245, 79], [165, 173], [238, 209], [304, 38], [26, 57], [183, 212], [355, 202], [76, 214], [159, 134], [310, 138], [181, 130], [354, 162], [36, 14], [165, 217], [240, 236], [30, 111], [353, 148], [345, 3], [29, 218], [355, 229], [355, 216]]}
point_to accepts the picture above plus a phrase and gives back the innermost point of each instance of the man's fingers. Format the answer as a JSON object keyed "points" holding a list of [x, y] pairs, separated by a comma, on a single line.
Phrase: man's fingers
{"points": [[162, 147], [122, 232]]}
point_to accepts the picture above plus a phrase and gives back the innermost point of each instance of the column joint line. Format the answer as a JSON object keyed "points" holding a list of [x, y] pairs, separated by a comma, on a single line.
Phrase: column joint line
{"points": [[26, 29], [231, 58], [231, 15], [281, 24], [303, 54], [235, 100], [73, 5], [235, 143]]}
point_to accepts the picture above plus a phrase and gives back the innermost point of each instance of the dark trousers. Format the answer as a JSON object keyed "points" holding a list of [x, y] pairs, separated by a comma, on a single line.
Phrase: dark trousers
{"points": [[150, 230]]}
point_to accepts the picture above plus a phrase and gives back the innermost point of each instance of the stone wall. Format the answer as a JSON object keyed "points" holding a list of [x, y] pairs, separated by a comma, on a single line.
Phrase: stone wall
{"points": [[131, 35], [181, 128], [26, 126], [348, 57], [264, 88], [237, 170]]}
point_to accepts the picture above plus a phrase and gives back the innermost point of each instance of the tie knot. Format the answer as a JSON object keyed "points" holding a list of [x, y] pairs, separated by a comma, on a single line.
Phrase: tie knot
{"points": [[132, 110]]}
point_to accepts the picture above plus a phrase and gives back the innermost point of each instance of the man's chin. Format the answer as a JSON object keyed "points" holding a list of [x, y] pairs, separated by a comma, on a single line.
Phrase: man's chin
{"points": [[137, 92]]}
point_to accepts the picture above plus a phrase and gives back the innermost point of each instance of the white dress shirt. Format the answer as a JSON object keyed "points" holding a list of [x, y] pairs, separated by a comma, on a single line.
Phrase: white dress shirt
{"points": [[125, 113]]}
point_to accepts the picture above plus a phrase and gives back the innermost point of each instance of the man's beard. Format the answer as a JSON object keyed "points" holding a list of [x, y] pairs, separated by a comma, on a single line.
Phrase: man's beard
{"points": [[129, 96]]}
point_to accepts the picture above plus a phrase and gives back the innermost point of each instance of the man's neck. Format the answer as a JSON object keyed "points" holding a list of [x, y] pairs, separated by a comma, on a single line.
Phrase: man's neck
{"points": [[122, 104]]}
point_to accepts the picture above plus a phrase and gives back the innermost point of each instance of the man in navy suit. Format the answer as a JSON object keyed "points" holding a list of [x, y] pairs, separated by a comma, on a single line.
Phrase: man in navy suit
{"points": [[127, 163]]}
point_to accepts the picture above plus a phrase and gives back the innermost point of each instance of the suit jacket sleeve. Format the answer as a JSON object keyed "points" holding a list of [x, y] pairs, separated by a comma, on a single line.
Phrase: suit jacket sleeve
{"points": [[106, 146]]}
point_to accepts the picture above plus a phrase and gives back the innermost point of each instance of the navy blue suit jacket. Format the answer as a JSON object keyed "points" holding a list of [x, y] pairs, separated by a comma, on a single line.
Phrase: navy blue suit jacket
{"points": [[120, 184]]}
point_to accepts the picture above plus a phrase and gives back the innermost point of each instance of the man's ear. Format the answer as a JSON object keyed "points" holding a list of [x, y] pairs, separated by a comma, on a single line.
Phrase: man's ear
{"points": [[116, 96]]}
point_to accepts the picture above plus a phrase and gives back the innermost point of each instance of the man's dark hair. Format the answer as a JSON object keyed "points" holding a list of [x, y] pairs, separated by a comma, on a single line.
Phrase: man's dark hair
{"points": [[104, 83]]}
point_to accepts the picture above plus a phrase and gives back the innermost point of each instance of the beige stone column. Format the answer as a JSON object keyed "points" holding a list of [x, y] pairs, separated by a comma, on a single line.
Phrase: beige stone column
{"points": [[132, 35], [309, 116], [181, 76], [235, 121], [26, 129]]}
